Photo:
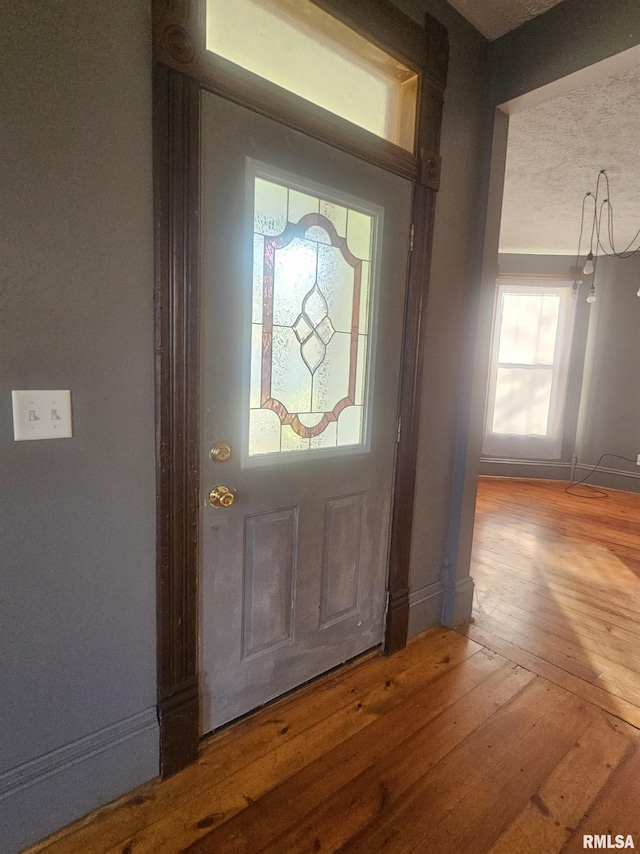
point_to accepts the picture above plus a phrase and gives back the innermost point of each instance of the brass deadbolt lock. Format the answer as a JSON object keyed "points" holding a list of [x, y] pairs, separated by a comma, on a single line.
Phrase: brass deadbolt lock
{"points": [[220, 452]]}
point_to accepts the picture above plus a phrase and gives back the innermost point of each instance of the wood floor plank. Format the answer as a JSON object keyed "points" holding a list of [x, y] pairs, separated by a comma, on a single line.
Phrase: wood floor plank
{"points": [[568, 657], [288, 808], [237, 787], [558, 578], [593, 694], [593, 656], [385, 782], [549, 598], [481, 816], [464, 772], [552, 814], [516, 733], [255, 738], [615, 810], [608, 640], [193, 814], [622, 598]]}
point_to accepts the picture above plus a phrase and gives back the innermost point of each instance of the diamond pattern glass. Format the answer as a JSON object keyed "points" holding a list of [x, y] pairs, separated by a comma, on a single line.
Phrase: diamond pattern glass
{"points": [[310, 320]]}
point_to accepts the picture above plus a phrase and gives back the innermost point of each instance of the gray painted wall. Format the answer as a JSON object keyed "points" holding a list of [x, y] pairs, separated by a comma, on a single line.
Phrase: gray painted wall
{"points": [[77, 518], [76, 294], [609, 421], [450, 324], [77, 598], [572, 35], [78, 604]]}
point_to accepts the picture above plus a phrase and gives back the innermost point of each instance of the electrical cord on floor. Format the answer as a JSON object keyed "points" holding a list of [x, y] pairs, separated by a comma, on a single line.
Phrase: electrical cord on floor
{"points": [[598, 493]]}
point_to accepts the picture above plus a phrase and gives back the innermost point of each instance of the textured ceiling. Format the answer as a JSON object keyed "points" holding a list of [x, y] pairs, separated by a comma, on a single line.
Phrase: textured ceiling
{"points": [[557, 148], [494, 18], [554, 155]]}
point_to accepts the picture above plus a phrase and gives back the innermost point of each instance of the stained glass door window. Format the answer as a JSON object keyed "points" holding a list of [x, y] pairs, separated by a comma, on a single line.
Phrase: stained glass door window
{"points": [[311, 317]]}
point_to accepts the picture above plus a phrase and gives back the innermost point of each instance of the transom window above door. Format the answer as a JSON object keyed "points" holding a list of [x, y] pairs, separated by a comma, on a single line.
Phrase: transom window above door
{"points": [[308, 52]]}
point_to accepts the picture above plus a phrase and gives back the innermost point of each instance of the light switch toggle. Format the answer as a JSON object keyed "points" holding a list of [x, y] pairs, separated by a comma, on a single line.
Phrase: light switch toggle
{"points": [[41, 414]]}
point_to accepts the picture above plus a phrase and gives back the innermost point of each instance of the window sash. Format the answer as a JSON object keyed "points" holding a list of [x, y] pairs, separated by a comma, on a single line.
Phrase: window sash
{"points": [[536, 443]]}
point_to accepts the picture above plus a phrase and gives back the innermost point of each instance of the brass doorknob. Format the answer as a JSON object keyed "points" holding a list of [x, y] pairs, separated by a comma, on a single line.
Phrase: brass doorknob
{"points": [[222, 496]]}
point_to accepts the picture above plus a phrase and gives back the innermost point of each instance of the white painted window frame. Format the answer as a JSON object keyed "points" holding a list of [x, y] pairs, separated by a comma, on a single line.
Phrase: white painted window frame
{"points": [[532, 446]]}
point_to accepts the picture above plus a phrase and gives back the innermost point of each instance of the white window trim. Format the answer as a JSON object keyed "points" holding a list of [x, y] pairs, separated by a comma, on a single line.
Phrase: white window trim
{"points": [[532, 446]]}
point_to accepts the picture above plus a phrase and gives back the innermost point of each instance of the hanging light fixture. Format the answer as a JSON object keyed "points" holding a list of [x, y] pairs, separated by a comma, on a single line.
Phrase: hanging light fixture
{"points": [[600, 244], [589, 266]]}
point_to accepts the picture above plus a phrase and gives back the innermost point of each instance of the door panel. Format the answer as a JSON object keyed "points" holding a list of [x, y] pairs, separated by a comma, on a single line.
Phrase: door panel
{"points": [[269, 576], [293, 574], [341, 563]]}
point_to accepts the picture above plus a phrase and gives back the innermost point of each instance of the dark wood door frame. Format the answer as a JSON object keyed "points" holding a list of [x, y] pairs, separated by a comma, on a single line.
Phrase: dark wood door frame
{"points": [[181, 69]]}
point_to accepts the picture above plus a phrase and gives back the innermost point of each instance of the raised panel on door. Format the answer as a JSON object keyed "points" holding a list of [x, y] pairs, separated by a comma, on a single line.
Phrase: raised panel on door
{"points": [[270, 557], [304, 252], [342, 558]]}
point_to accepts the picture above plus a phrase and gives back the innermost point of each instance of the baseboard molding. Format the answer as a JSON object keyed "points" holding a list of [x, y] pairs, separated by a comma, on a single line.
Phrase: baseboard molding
{"points": [[457, 607], [457, 601], [396, 632], [556, 470], [425, 608], [50, 791], [509, 461], [582, 469], [544, 469]]}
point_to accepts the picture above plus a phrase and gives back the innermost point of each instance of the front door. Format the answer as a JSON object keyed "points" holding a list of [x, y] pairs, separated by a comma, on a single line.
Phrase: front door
{"points": [[303, 268]]}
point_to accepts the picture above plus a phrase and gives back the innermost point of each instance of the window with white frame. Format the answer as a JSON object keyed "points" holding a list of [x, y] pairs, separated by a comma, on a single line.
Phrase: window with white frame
{"points": [[533, 326]]}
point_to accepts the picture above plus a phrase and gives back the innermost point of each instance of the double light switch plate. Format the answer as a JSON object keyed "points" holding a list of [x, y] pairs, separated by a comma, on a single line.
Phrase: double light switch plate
{"points": [[41, 415]]}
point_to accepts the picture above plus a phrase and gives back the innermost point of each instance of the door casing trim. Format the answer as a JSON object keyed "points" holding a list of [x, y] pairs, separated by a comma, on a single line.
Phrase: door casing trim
{"points": [[179, 73]]}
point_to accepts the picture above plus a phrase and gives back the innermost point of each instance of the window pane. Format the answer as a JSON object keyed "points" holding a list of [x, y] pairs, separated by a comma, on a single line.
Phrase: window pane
{"points": [[533, 324], [528, 330], [303, 49], [310, 321], [522, 401]]}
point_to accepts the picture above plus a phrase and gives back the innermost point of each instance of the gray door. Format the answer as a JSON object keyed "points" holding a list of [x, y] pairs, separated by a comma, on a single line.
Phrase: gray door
{"points": [[303, 267]]}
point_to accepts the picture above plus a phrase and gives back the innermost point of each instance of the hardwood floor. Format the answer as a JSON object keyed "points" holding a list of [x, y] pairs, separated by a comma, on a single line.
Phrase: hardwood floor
{"points": [[515, 734], [558, 586]]}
